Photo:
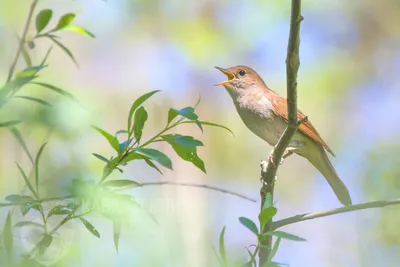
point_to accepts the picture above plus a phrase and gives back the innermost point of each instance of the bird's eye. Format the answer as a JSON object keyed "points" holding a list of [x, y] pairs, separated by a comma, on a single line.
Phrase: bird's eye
{"points": [[242, 72]]}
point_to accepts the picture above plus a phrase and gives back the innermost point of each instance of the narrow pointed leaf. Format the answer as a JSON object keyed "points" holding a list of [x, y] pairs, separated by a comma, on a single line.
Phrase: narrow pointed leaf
{"points": [[155, 155], [100, 157], [117, 233], [8, 240], [152, 165], [37, 167], [46, 56], [211, 124], [56, 89], [90, 227], [80, 30], [249, 224], [64, 21], [64, 48], [34, 99], [138, 123], [26, 56], [138, 102], [27, 182], [273, 251], [42, 19], [222, 251], [285, 235], [110, 138], [21, 142], [30, 71], [9, 123]]}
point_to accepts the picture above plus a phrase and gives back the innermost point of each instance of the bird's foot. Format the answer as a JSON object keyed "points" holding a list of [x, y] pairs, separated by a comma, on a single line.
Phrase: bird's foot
{"points": [[271, 159]]}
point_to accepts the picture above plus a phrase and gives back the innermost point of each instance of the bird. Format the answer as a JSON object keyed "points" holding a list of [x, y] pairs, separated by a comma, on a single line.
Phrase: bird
{"points": [[265, 113]]}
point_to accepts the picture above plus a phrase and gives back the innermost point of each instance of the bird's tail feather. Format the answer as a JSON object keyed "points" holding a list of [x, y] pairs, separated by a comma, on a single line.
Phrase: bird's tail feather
{"points": [[323, 164]]}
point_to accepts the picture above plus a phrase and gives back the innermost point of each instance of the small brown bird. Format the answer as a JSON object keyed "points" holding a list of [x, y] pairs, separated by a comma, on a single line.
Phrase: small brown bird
{"points": [[264, 112]]}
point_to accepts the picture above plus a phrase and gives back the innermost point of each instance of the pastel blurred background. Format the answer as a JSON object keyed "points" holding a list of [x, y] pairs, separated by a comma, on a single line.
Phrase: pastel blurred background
{"points": [[348, 86]]}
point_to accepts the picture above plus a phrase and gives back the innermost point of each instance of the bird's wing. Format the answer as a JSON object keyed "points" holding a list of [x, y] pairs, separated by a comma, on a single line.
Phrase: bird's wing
{"points": [[281, 109]]}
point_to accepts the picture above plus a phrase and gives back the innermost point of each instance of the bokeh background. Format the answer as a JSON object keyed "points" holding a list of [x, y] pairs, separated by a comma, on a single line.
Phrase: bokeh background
{"points": [[348, 86]]}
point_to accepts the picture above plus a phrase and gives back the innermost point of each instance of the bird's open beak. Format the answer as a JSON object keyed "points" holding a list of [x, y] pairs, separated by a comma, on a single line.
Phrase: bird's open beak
{"points": [[228, 74]]}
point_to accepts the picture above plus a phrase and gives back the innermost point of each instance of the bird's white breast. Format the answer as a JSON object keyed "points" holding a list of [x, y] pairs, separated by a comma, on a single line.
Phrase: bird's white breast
{"points": [[259, 117]]}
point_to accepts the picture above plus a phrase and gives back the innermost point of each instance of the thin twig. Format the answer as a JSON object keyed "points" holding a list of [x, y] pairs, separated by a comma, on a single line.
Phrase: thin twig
{"points": [[210, 187], [314, 215], [22, 41], [268, 175]]}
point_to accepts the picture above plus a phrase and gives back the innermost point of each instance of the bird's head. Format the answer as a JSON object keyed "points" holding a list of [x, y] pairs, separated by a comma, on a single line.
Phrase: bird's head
{"points": [[241, 79]]}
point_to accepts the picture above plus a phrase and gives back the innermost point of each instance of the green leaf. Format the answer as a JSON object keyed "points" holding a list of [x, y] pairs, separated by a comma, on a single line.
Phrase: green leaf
{"points": [[139, 121], [42, 19], [27, 182], [138, 102], [285, 235], [9, 123], [46, 56], [37, 167], [65, 21], [26, 56], [152, 165], [124, 145], [273, 251], [117, 233], [13, 86], [182, 140], [45, 243], [187, 112], [30, 71], [156, 155], [90, 227], [199, 125], [100, 157], [80, 30], [37, 100], [56, 89], [266, 215], [172, 114], [211, 124], [186, 148], [249, 224], [110, 138], [64, 48], [222, 251], [21, 142], [18, 198], [122, 183], [197, 103], [8, 240], [58, 210], [26, 207]]}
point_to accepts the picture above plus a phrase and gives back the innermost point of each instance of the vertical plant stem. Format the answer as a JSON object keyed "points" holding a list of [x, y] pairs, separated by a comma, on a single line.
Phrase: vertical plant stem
{"points": [[268, 171], [22, 40]]}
